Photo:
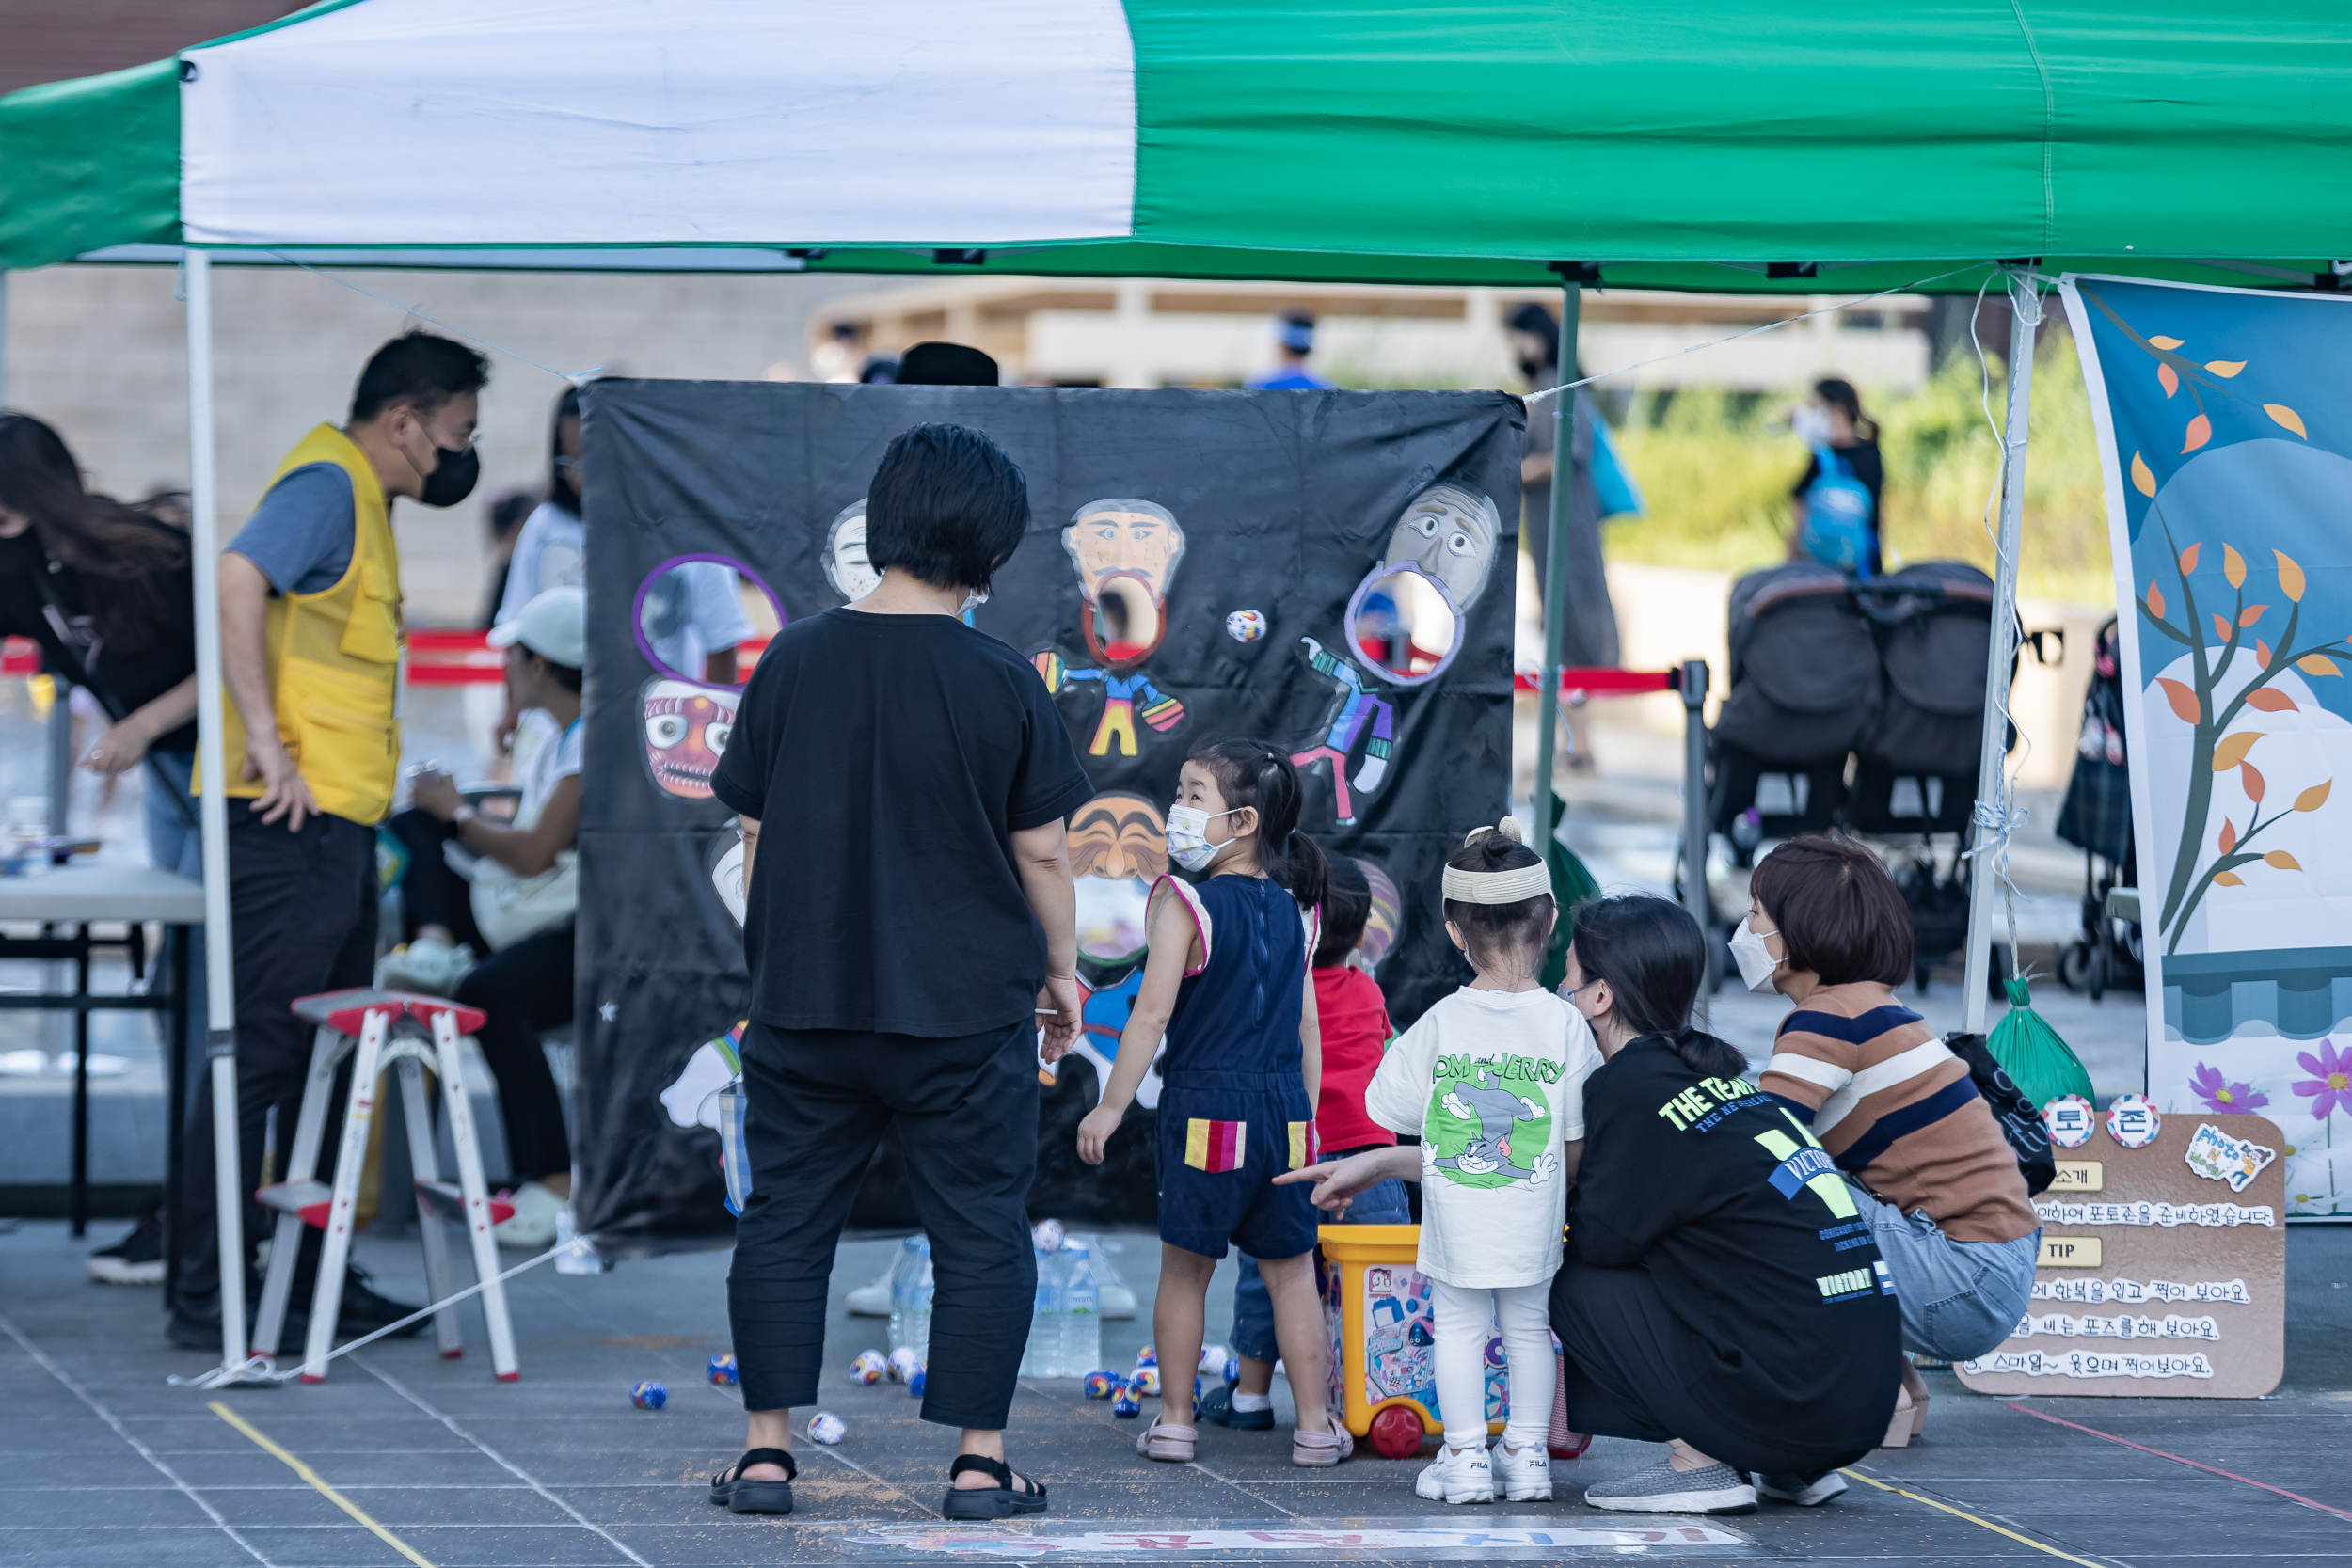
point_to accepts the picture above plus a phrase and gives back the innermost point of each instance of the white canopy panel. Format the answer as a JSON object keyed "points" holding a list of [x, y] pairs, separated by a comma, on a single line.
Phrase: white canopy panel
{"points": [[425, 122]]}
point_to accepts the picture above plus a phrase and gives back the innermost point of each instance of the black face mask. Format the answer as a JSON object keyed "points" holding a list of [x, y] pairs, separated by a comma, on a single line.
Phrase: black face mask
{"points": [[452, 479], [1531, 369]]}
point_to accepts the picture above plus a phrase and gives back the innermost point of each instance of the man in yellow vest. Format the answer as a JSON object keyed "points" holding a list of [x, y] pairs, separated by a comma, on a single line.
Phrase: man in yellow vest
{"points": [[310, 643]]}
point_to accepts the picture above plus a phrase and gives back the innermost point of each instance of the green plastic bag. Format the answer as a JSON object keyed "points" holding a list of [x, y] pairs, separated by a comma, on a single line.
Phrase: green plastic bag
{"points": [[2029, 1051], [1571, 886]]}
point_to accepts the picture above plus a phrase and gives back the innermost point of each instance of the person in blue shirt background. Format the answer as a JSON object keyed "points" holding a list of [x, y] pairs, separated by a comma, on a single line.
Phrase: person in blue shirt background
{"points": [[1295, 331]]}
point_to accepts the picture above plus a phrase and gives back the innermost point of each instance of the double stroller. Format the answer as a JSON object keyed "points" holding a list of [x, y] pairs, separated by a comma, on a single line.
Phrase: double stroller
{"points": [[1860, 706]]}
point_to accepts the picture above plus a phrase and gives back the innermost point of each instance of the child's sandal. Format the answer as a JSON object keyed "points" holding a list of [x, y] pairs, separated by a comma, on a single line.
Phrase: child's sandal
{"points": [[990, 1502], [1320, 1451], [1165, 1441]]}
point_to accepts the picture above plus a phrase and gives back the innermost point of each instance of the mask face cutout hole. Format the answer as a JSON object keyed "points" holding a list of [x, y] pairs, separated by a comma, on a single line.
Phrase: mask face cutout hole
{"points": [[705, 619], [1117, 849], [1402, 622], [847, 565], [1130, 616]]}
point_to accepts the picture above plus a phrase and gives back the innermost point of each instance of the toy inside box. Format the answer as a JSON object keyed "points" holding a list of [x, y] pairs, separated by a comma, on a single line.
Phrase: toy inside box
{"points": [[2163, 1268], [1383, 1331]]}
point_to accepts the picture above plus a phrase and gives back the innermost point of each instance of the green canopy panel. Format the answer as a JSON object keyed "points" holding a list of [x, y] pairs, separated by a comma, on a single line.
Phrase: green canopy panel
{"points": [[1805, 146]]}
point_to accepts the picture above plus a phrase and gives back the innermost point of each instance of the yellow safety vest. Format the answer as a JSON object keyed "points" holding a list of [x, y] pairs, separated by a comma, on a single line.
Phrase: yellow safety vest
{"points": [[334, 658]]}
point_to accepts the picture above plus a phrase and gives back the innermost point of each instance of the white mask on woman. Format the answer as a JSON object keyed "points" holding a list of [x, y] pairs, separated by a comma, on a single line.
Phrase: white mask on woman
{"points": [[1810, 425], [1755, 961]]}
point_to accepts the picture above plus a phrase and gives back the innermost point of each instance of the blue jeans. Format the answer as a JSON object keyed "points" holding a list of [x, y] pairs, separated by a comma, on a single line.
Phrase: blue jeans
{"points": [[1959, 1299], [1382, 1203], [174, 844]]}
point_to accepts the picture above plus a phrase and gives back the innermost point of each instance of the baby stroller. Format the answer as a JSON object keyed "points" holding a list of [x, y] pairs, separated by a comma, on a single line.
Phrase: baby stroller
{"points": [[2097, 819], [1860, 706]]}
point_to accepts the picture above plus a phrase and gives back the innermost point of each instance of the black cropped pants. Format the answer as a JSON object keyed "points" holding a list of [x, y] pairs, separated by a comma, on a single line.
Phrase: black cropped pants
{"points": [[965, 1109]]}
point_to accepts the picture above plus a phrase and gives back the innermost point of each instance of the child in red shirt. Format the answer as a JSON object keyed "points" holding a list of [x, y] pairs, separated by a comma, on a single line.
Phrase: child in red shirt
{"points": [[1354, 1021]]}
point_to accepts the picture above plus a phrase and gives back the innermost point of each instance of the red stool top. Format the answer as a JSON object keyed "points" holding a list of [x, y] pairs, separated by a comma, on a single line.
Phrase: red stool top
{"points": [[346, 1011]]}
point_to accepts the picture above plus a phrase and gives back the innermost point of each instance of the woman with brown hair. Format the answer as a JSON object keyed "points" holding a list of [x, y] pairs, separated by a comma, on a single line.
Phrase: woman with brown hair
{"points": [[1893, 1106], [108, 592]]}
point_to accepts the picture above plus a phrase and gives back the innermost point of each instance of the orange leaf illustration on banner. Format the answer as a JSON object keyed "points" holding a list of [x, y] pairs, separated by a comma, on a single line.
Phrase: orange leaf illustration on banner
{"points": [[2269, 699], [2189, 559], [2232, 567], [2183, 701], [2227, 840], [2220, 629], [2262, 659], [2252, 613], [2278, 860], [2228, 878], [2168, 378], [2233, 749], [2290, 576], [2142, 480], [2315, 796], [2225, 368], [2287, 417], [2164, 342], [2200, 431], [2156, 601], [2251, 781], [2317, 664]]}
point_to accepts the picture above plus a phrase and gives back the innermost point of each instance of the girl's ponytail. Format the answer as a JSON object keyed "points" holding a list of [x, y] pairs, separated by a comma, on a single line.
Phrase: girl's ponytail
{"points": [[1255, 774]]}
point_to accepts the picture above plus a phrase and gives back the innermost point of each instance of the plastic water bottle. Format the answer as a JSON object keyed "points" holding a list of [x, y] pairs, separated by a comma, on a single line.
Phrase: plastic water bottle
{"points": [[1080, 1348], [1043, 1353], [911, 1297]]}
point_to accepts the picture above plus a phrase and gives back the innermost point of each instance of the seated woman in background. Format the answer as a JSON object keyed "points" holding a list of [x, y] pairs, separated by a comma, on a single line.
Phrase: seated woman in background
{"points": [[1893, 1106], [514, 899]]}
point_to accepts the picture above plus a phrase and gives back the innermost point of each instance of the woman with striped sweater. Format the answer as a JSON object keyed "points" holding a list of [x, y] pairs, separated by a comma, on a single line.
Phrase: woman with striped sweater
{"points": [[1892, 1105]]}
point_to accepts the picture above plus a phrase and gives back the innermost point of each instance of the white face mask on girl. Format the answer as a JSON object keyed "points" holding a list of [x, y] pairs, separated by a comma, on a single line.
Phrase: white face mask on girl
{"points": [[1755, 961], [1188, 842], [1810, 425]]}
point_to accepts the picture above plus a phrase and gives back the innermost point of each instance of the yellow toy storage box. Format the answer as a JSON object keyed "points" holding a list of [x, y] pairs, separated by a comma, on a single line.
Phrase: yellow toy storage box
{"points": [[1378, 1308]]}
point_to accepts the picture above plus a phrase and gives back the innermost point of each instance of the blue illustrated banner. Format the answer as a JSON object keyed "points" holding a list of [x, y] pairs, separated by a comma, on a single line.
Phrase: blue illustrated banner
{"points": [[2225, 423]]}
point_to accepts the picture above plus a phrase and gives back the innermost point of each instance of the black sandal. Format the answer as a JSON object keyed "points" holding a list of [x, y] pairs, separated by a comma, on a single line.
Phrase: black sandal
{"points": [[729, 1490], [990, 1502]]}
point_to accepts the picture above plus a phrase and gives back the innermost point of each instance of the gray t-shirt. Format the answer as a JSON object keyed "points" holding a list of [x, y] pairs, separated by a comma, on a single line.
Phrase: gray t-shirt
{"points": [[302, 534]]}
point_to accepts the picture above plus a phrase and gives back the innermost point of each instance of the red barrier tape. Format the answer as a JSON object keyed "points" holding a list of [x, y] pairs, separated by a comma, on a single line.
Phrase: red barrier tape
{"points": [[1606, 683]]}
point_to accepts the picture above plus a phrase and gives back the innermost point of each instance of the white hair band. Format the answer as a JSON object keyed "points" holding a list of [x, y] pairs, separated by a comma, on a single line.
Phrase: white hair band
{"points": [[1513, 885]]}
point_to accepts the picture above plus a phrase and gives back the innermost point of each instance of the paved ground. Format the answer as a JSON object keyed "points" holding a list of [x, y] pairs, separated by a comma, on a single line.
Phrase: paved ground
{"points": [[401, 1457]]}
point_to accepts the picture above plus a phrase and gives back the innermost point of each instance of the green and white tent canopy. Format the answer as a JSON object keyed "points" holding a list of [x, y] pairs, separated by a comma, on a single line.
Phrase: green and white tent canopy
{"points": [[1804, 145]]}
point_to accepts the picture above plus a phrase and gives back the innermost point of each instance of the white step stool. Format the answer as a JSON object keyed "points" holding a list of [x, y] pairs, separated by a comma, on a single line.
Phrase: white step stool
{"points": [[408, 1032]]}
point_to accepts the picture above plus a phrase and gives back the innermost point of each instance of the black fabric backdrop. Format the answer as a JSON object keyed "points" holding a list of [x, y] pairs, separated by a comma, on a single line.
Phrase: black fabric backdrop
{"points": [[1286, 501]]}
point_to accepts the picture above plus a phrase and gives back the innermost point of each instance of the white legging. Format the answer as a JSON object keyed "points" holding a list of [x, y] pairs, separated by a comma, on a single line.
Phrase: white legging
{"points": [[1462, 1318]]}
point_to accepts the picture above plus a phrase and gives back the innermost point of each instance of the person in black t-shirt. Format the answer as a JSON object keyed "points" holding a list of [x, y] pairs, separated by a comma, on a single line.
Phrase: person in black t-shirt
{"points": [[1832, 419], [908, 921]]}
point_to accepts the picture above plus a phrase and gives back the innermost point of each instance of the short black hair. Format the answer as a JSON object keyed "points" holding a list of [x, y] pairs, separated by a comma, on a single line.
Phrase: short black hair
{"points": [[1347, 910], [421, 370], [946, 505], [1838, 911], [1494, 933]]}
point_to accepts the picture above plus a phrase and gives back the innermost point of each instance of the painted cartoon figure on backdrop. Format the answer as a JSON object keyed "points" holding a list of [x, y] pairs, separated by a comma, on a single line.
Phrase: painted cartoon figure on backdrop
{"points": [[847, 567], [1403, 623], [1117, 849], [692, 1099], [686, 727], [1125, 553], [691, 627]]}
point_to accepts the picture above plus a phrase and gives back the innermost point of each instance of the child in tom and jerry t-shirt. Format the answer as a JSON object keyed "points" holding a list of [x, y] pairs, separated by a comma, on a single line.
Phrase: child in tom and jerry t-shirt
{"points": [[1492, 1080]]}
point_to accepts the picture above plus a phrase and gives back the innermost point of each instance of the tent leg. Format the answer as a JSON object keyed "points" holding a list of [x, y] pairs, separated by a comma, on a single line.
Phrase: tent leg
{"points": [[1992, 764], [1556, 573], [220, 1039]]}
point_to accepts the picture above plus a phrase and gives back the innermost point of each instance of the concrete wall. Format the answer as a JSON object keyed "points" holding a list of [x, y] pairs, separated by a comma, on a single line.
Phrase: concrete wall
{"points": [[100, 353]]}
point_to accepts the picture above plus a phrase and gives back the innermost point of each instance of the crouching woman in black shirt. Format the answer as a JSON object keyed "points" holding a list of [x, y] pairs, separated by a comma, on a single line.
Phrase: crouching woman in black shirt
{"points": [[1721, 1290]]}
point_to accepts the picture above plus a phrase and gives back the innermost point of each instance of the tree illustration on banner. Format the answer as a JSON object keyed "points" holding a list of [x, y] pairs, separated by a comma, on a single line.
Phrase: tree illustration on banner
{"points": [[2205, 702], [2218, 747]]}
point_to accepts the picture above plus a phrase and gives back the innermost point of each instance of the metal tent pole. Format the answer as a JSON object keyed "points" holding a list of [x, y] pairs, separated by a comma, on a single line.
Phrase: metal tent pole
{"points": [[220, 1037], [1990, 838], [1555, 583]]}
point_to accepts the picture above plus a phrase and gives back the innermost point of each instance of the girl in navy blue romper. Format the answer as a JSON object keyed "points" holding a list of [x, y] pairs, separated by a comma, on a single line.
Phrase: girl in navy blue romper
{"points": [[1226, 983]]}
